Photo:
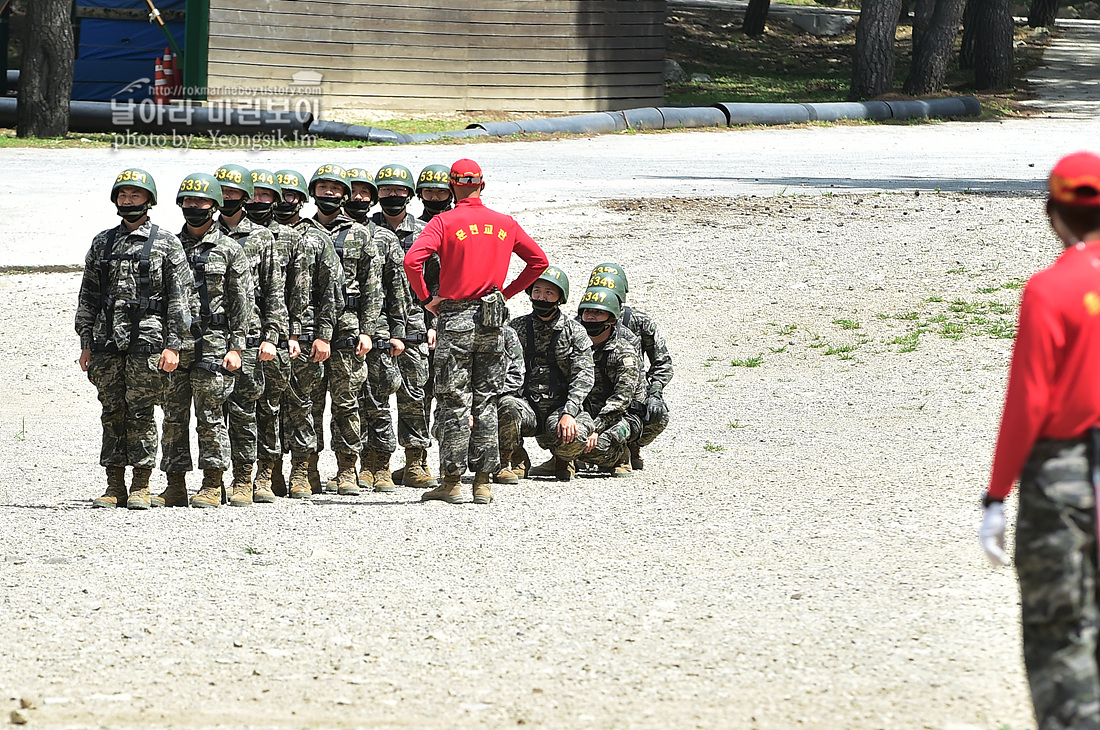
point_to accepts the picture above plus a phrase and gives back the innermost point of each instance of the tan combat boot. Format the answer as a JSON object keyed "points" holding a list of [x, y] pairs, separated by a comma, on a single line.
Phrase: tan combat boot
{"points": [[139, 489], [346, 484], [176, 493], [115, 496], [482, 493], [299, 487], [564, 470], [209, 495], [314, 474], [505, 475], [521, 463], [383, 481], [636, 460], [416, 473], [261, 488], [398, 474], [366, 470], [449, 491], [622, 469], [241, 495], [548, 468], [278, 479]]}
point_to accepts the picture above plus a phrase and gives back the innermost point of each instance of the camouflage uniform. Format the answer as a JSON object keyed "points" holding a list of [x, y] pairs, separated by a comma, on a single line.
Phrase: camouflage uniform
{"points": [[1060, 599], [557, 357], [613, 403], [359, 304], [652, 347], [267, 264], [124, 366], [200, 377]]}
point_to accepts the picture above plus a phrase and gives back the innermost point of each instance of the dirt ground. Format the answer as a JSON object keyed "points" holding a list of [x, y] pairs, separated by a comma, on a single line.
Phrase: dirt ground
{"points": [[800, 550]]}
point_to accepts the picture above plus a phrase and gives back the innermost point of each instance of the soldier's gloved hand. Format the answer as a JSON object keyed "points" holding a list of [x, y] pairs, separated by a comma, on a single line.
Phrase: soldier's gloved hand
{"points": [[992, 533], [655, 408]]}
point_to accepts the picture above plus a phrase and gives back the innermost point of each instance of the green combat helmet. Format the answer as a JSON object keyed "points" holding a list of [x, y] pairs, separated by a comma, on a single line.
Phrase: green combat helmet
{"points": [[398, 175], [200, 185], [290, 180], [613, 281], [602, 298], [358, 209], [361, 175], [138, 179], [237, 177], [334, 173], [612, 270], [558, 278], [264, 180], [434, 176]]}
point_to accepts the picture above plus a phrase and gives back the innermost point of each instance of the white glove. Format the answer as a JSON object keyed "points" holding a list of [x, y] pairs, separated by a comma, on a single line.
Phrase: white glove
{"points": [[992, 533]]}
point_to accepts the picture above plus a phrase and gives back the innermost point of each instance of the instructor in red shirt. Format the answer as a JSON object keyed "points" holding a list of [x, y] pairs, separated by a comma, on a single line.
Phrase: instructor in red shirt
{"points": [[1048, 440], [475, 247]]}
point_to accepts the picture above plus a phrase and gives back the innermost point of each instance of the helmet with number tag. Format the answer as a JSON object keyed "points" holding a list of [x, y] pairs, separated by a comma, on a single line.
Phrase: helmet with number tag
{"points": [[613, 281], [136, 178], [361, 175], [601, 298], [558, 278], [396, 175], [611, 269], [266, 179], [335, 173], [434, 176], [200, 185], [236, 177], [292, 180]]}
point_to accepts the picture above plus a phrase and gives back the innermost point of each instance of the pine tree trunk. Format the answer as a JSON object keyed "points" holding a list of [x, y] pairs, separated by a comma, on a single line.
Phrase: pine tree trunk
{"points": [[993, 49], [922, 18], [46, 74], [1042, 13], [932, 57], [756, 17], [966, 53], [873, 59]]}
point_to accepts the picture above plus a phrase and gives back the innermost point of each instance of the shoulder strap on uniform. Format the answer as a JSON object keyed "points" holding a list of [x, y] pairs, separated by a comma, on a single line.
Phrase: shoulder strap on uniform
{"points": [[627, 313], [338, 242]]}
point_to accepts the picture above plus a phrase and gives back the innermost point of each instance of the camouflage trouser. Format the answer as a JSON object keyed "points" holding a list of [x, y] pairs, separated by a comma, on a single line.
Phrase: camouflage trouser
{"points": [[469, 377], [209, 391], [652, 428], [276, 376], [129, 387], [240, 409], [611, 442], [344, 375], [299, 434], [517, 419], [1056, 562], [375, 419], [429, 394], [412, 413]]}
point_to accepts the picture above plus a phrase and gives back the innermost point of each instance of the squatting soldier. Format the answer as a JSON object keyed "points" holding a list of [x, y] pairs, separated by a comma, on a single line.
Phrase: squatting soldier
{"points": [[266, 194], [268, 264], [433, 187], [223, 297], [618, 382], [559, 376], [1050, 440], [396, 232], [359, 302], [133, 317], [313, 279], [475, 246], [513, 388], [653, 348]]}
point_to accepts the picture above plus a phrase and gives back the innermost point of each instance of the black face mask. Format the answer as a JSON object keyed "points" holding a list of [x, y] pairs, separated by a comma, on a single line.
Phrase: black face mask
{"points": [[595, 329], [435, 207], [328, 206], [543, 309], [286, 211], [232, 207], [394, 204], [257, 212], [198, 217], [357, 208], [132, 213]]}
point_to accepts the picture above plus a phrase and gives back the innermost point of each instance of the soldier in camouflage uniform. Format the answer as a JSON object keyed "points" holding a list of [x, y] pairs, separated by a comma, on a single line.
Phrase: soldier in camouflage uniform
{"points": [[313, 281], [267, 193], [614, 401], [433, 187], [359, 301], [653, 348], [222, 309], [133, 317], [268, 332], [557, 354]]}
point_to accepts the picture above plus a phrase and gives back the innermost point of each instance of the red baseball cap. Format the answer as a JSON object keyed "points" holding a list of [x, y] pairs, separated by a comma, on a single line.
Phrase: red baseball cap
{"points": [[466, 172], [1075, 180]]}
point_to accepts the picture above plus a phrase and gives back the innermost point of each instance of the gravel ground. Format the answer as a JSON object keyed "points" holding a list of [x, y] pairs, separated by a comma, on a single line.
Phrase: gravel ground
{"points": [[799, 552]]}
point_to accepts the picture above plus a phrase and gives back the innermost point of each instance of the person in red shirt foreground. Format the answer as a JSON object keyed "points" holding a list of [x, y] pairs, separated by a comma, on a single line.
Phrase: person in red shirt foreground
{"points": [[475, 246], [1048, 440]]}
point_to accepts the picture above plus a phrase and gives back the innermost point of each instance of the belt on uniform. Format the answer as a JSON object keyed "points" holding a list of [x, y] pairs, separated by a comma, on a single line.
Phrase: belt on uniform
{"points": [[253, 341], [457, 305], [345, 344]]}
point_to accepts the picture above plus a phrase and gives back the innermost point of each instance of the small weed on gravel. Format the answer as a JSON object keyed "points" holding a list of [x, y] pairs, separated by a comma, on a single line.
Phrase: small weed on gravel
{"points": [[713, 448], [749, 362]]}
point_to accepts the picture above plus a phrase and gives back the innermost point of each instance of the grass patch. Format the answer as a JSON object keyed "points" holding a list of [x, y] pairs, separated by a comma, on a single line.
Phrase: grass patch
{"points": [[713, 448], [846, 324], [840, 349], [749, 362], [736, 424]]}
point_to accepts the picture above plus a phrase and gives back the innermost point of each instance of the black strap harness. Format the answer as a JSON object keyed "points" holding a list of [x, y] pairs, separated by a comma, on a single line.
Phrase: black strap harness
{"points": [[351, 301], [144, 304], [207, 319]]}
